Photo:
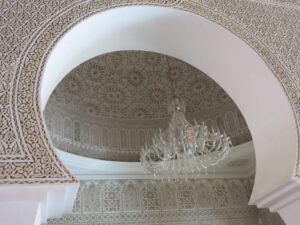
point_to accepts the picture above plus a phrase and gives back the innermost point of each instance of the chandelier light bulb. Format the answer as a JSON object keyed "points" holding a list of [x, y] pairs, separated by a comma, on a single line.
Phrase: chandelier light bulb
{"points": [[184, 150]]}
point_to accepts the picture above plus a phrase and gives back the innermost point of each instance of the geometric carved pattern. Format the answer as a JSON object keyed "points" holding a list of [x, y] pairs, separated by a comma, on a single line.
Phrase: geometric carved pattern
{"points": [[92, 201], [167, 196], [25, 154], [130, 197], [150, 195], [18, 22], [220, 199], [28, 31], [112, 197], [186, 198], [126, 93], [137, 85], [118, 141]]}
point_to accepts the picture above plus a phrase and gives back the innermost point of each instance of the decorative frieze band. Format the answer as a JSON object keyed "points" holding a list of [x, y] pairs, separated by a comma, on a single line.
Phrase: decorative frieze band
{"points": [[214, 202], [122, 143]]}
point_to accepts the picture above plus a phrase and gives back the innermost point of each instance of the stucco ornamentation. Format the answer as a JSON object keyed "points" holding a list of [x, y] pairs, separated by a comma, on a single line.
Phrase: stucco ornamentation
{"points": [[137, 85], [29, 29], [111, 105], [155, 202]]}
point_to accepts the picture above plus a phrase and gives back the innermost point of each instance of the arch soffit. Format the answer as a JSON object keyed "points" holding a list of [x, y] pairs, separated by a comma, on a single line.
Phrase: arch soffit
{"points": [[28, 78]]}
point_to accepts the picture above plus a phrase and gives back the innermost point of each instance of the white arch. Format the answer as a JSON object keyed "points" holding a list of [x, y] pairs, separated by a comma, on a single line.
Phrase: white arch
{"points": [[211, 48]]}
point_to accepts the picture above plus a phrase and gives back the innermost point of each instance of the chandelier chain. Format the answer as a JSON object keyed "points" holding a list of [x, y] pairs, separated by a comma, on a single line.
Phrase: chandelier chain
{"points": [[184, 150]]}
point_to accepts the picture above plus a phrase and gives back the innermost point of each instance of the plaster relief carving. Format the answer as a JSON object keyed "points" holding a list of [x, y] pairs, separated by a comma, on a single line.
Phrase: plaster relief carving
{"points": [[128, 92], [157, 203], [30, 29]]}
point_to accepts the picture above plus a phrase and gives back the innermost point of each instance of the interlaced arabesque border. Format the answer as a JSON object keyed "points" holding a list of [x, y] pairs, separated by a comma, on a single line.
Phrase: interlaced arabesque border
{"points": [[30, 29]]}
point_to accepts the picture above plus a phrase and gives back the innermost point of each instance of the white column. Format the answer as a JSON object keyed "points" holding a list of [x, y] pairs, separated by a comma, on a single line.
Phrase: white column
{"points": [[285, 201], [34, 204], [20, 213]]}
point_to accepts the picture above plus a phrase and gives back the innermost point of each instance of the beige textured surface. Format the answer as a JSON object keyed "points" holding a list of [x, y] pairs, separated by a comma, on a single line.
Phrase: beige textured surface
{"points": [[129, 86], [110, 106], [28, 30], [150, 202]]}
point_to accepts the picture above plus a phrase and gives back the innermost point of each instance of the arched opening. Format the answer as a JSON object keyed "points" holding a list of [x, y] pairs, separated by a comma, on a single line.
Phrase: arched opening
{"points": [[207, 46], [123, 97]]}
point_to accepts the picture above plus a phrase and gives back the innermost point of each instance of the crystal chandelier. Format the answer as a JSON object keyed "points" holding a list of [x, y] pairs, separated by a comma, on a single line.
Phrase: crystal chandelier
{"points": [[184, 150]]}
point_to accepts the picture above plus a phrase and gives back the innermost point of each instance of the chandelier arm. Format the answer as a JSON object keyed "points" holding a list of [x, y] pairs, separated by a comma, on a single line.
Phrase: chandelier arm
{"points": [[184, 149]]}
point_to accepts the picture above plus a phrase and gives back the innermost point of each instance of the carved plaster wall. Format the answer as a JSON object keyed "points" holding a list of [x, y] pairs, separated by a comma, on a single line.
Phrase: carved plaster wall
{"points": [[29, 29], [196, 202], [111, 105], [121, 143], [265, 217]]}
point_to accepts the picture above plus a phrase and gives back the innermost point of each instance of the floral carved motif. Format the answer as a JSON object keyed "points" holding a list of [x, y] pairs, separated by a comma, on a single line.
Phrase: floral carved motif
{"points": [[127, 94], [29, 29], [155, 202]]}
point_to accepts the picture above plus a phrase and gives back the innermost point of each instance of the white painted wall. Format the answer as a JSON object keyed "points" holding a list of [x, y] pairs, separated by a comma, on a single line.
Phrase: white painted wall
{"points": [[207, 46], [20, 213], [34, 204]]}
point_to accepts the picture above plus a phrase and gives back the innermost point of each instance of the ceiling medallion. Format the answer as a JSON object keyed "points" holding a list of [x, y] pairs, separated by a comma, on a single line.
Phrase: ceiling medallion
{"points": [[184, 150]]}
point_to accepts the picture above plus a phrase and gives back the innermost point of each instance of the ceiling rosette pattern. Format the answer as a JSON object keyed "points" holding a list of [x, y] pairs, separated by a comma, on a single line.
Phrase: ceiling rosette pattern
{"points": [[127, 94], [29, 30]]}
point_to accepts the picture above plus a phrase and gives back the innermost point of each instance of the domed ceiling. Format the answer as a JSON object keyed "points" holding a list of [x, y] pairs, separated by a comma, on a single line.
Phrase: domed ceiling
{"points": [[111, 105]]}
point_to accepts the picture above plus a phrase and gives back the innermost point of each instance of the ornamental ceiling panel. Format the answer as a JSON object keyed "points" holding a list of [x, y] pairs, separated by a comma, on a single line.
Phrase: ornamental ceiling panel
{"points": [[110, 106], [134, 85], [29, 29]]}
